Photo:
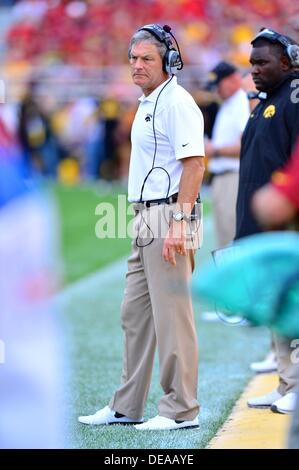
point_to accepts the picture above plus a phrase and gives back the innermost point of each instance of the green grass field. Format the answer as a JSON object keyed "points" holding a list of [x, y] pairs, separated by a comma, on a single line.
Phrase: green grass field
{"points": [[89, 312], [82, 251]]}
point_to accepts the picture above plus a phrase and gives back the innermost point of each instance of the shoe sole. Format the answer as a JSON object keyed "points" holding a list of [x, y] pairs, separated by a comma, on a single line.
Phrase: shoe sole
{"points": [[172, 429], [186, 427], [110, 424], [280, 411], [126, 424], [262, 407]]}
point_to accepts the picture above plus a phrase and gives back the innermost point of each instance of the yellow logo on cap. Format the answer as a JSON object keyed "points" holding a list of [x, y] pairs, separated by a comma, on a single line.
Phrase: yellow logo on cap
{"points": [[269, 111], [212, 76]]}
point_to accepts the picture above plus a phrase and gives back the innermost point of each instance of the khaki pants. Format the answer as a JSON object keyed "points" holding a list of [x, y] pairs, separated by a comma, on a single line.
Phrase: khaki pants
{"points": [[287, 370], [224, 196], [157, 310], [293, 436]]}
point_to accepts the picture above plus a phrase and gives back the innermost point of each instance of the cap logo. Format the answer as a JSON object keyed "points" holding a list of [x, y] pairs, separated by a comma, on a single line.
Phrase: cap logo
{"points": [[212, 76]]}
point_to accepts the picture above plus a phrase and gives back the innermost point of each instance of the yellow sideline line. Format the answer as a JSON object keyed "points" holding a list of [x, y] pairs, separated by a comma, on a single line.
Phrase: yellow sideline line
{"points": [[251, 428]]}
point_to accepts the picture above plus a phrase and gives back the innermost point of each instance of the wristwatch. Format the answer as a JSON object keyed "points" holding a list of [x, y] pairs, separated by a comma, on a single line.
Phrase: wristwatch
{"points": [[179, 216]]}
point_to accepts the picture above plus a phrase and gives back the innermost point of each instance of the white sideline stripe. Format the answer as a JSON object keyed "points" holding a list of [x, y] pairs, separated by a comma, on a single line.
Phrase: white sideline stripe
{"points": [[109, 274]]}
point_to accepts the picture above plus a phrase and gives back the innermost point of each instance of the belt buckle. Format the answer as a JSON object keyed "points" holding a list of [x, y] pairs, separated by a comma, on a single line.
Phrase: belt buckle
{"points": [[142, 205], [139, 206]]}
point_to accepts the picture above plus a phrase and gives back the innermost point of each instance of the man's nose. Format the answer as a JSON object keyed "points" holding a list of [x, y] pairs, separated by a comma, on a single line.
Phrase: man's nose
{"points": [[255, 70], [138, 63]]}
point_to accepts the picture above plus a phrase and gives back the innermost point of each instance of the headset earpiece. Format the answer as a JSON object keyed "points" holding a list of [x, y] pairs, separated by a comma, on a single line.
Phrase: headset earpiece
{"points": [[293, 54], [172, 61]]}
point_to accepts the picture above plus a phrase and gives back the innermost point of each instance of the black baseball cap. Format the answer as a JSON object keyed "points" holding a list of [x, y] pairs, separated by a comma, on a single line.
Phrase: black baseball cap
{"points": [[221, 71]]}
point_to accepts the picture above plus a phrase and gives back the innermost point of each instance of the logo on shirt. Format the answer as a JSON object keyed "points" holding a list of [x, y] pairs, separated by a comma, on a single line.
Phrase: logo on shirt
{"points": [[269, 111], [148, 117], [184, 145]]}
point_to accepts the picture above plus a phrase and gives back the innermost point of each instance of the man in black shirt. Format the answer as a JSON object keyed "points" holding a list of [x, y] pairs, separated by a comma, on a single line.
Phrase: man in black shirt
{"points": [[267, 143], [272, 128]]}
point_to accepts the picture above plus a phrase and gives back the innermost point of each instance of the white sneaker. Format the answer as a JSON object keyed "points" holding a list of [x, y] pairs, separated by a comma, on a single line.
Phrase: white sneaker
{"points": [[264, 401], [268, 365], [160, 423], [286, 404], [107, 416]]}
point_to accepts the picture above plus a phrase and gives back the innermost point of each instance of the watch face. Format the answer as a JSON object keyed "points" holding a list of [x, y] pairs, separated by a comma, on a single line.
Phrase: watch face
{"points": [[178, 216]]}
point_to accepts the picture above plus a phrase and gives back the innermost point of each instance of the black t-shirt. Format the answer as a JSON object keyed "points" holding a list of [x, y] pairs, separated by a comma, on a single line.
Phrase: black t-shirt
{"points": [[267, 143]]}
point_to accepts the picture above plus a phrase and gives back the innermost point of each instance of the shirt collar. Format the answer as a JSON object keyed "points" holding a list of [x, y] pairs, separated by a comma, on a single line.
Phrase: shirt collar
{"points": [[262, 95], [153, 96]]}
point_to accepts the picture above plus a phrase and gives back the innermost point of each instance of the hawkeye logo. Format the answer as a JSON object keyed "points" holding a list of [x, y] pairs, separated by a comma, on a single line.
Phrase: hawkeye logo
{"points": [[269, 111], [148, 117]]}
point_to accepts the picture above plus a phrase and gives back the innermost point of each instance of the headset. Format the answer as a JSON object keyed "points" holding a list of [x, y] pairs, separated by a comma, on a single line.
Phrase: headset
{"points": [[172, 60], [292, 50]]}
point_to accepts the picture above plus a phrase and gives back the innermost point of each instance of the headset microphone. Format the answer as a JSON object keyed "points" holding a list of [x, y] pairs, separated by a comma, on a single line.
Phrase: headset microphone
{"points": [[167, 28]]}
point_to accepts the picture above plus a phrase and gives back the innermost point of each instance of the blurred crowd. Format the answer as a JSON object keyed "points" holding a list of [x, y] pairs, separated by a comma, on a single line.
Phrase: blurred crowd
{"points": [[96, 32], [82, 139]]}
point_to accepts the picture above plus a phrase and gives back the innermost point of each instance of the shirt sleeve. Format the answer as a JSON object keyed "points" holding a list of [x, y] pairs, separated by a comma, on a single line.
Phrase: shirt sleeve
{"points": [[185, 129], [286, 181]]}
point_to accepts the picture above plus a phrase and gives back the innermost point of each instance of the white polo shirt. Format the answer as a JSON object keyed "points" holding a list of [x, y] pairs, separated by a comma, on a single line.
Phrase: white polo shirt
{"points": [[179, 130], [229, 125]]}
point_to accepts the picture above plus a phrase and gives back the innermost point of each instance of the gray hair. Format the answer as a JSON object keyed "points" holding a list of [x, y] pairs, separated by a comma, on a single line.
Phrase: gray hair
{"points": [[146, 36]]}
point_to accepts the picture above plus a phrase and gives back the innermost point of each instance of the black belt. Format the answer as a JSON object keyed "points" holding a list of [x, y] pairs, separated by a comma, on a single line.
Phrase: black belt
{"points": [[165, 200]]}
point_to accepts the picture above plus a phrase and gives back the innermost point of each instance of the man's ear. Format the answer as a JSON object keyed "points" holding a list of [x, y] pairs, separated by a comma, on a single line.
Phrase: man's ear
{"points": [[285, 63]]}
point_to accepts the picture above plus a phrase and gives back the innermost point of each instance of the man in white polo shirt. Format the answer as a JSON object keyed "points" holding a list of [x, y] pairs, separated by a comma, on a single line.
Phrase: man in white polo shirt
{"points": [[224, 148], [166, 171]]}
